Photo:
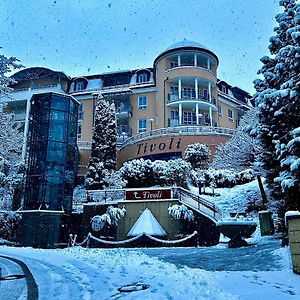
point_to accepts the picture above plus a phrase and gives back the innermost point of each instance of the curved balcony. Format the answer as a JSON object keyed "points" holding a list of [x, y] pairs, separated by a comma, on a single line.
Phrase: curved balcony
{"points": [[185, 100], [179, 130], [191, 71]]}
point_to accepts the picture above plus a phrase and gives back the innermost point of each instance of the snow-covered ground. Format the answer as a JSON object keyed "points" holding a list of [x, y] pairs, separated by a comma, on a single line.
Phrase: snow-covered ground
{"points": [[233, 199], [79, 273]]}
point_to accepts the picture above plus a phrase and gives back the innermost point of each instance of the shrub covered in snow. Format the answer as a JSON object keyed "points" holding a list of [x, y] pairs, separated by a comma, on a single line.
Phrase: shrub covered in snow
{"points": [[178, 212], [218, 178], [197, 155], [10, 226], [110, 218], [145, 173]]}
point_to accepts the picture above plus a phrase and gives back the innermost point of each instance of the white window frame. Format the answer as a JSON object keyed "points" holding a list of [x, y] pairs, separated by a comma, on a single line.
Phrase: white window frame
{"points": [[231, 119], [79, 86], [80, 112], [142, 129], [142, 105], [142, 77], [223, 89]]}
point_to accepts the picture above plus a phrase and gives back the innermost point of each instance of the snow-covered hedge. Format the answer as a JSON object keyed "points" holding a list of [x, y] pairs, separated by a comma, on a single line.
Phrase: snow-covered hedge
{"points": [[146, 173], [110, 218], [10, 225], [178, 212], [197, 155], [222, 178]]}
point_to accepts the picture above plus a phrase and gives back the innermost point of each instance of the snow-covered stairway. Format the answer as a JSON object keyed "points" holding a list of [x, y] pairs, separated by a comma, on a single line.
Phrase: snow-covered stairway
{"points": [[197, 203]]}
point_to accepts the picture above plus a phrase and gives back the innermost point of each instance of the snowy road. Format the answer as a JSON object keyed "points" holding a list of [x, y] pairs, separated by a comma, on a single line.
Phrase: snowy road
{"points": [[12, 287], [79, 273]]}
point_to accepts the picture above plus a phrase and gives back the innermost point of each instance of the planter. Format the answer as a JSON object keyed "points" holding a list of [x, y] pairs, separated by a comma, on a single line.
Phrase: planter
{"points": [[237, 229]]}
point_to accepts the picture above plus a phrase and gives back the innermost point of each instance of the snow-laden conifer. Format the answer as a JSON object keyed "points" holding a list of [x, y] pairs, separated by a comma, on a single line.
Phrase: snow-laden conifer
{"points": [[103, 153], [278, 102]]}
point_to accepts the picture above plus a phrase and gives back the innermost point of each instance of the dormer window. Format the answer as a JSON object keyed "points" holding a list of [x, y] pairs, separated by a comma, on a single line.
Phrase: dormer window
{"points": [[224, 89], [142, 77], [79, 86]]}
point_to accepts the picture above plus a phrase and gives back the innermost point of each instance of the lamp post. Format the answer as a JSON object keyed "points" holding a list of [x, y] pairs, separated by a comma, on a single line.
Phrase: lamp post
{"points": [[151, 125]]}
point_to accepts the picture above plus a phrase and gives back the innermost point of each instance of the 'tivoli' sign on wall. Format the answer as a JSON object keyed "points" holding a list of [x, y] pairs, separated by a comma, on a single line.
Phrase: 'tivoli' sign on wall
{"points": [[148, 194]]}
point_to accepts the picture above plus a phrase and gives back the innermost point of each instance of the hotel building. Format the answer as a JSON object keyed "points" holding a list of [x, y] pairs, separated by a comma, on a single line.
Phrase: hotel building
{"points": [[159, 110]]}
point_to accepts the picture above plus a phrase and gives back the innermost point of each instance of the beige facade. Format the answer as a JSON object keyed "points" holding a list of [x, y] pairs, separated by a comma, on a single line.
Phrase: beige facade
{"points": [[180, 93]]}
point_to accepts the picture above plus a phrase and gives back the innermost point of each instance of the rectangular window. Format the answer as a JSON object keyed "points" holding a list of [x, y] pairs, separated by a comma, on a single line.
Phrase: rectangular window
{"points": [[142, 125], [80, 112], [188, 93], [142, 102], [230, 115], [79, 130], [142, 78], [206, 119], [205, 94], [224, 89], [189, 118], [220, 110]]}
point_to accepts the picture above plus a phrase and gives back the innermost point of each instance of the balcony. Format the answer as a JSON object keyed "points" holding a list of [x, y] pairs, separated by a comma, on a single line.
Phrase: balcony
{"points": [[123, 133], [123, 111], [190, 97], [25, 94]]}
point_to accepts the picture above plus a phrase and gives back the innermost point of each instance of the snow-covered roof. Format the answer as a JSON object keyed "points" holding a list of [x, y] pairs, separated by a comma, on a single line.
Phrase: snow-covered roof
{"points": [[186, 43], [146, 223]]}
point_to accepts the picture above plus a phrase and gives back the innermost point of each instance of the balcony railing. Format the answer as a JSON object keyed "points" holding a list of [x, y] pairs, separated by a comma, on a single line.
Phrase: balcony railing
{"points": [[188, 97], [202, 122], [124, 110], [186, 130]]}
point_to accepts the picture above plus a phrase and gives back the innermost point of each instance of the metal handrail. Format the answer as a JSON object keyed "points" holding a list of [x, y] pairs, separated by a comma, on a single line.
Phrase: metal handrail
{"points": [[202, 205], [199, 130], [184, 196]]}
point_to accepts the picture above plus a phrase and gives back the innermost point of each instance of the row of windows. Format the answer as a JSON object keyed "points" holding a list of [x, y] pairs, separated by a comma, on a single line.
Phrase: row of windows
{"points": [[229, 113]]}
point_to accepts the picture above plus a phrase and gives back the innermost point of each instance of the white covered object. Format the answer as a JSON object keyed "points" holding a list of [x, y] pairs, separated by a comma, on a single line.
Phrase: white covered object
{"points": [[290, 213], [146, 223]]}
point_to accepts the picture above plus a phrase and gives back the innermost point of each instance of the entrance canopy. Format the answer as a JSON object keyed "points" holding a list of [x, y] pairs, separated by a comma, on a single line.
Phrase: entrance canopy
{"points": [[146, 223]]}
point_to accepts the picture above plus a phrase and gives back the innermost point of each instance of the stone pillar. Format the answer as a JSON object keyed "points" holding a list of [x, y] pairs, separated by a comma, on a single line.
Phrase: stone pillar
{"points": [[180, 114], [179, 88], [294, 241], [178, 60], [266, 223], [209, 92], [208, 63]]}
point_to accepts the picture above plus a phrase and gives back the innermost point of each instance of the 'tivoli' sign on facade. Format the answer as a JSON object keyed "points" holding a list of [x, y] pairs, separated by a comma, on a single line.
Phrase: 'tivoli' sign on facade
{"points": [[147, 148], [148, 194]]}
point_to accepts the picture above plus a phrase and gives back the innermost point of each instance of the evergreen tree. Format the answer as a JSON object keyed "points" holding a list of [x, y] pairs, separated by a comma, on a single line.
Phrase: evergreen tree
{"points": [[11, 139], [7, 64], [103, 153], [278, 102]]}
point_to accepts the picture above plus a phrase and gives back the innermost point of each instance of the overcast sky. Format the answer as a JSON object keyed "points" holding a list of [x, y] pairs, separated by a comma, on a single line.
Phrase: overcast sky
{"points": [[82, 37]]}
